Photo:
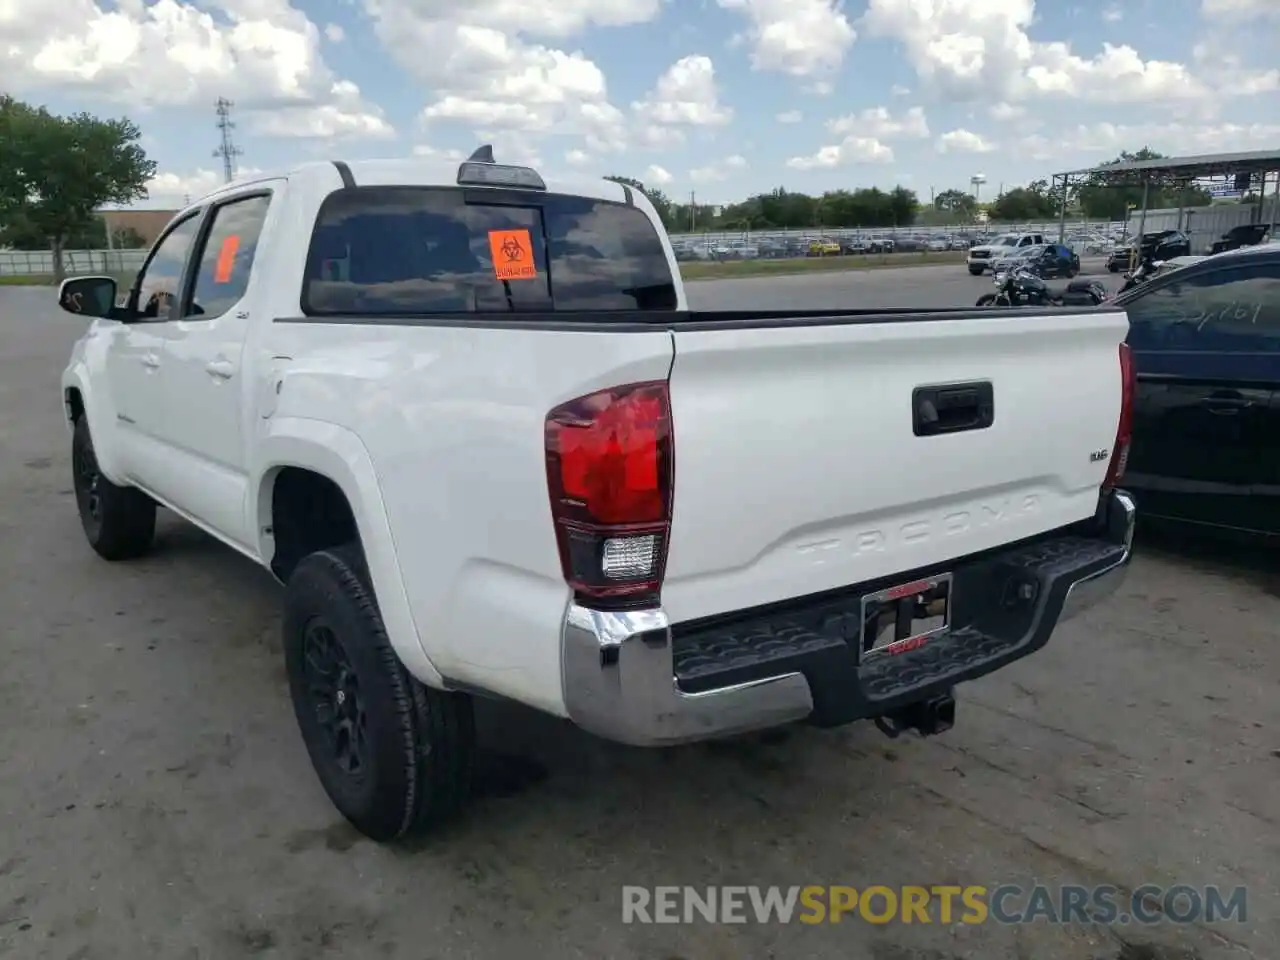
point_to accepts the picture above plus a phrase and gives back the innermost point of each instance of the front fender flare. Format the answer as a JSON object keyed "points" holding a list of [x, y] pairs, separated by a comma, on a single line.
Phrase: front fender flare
{"points": [[338, 454], [102, 421]]}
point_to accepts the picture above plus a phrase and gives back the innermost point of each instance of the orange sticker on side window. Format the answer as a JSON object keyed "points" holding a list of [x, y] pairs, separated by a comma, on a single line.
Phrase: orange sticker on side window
{"points": [[512, 252], [226, 260]]}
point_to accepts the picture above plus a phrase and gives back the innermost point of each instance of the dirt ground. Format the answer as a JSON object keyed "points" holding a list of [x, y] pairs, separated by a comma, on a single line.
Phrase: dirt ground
{"points": [[156, 801]]}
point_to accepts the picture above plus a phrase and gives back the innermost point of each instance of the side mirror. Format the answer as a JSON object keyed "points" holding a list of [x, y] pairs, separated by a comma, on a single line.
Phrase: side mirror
{"points": [[88, 296]]}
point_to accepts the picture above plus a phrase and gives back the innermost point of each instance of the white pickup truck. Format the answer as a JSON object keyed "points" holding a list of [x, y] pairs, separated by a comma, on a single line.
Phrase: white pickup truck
{"points": [[982, 255], [467, 418]]}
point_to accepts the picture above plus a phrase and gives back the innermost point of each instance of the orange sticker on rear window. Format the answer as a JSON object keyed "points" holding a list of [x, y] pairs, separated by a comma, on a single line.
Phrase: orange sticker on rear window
{"points": [[512, 252], [226, 260]]}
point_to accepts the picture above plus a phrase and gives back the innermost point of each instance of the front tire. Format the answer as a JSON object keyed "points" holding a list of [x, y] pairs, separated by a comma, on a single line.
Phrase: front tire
{"points": [[394, 756], [119, 522], [975, 271], [986, 300]]}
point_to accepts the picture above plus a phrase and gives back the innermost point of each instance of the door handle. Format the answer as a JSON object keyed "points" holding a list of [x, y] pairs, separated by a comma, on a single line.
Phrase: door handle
{"points": [[222, 369], [151, 361], [1225, 404]]}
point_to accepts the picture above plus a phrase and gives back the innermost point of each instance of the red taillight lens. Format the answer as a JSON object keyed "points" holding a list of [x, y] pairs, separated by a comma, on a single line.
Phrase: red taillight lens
{"points": [[610, 468], [1124, 430]]}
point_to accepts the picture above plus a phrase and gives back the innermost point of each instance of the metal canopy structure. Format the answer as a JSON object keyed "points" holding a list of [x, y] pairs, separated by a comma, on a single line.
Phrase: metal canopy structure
{"points": [[1180, 170], [1186, 168]]}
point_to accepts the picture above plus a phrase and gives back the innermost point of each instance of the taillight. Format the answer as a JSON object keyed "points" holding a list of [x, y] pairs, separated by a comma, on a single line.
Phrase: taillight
{"points": [[610, 470], [1124, 430]]}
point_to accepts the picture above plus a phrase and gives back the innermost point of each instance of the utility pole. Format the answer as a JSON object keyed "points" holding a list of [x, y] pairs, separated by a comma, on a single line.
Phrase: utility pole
{"points": [[227, 150], [693, 211]]}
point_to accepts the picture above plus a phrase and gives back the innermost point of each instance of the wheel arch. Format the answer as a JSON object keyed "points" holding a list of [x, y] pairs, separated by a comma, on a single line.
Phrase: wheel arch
{"points": [[320, 460], [79, 401]]}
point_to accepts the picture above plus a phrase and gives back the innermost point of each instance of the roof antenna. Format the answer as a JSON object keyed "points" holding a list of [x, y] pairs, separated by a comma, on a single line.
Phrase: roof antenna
{"points": [[482, 155]]}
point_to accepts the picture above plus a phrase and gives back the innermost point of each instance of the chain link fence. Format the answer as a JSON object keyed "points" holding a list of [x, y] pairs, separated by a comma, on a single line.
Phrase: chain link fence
{"points": [[39, 263]]}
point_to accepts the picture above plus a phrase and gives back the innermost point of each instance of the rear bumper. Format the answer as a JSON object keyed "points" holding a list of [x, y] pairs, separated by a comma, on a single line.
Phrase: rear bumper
{"points": [[634, 677]]}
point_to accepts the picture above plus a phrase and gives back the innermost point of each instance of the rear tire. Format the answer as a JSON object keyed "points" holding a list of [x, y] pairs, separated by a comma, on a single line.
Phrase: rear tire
{"points": [[975, 271], [394, 756], [119, 522]]}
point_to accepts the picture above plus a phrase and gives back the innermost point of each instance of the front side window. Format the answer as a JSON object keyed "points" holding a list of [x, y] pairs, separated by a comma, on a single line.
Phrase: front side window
{"points": [[1229, 310], [158, 283], [423, 250]]}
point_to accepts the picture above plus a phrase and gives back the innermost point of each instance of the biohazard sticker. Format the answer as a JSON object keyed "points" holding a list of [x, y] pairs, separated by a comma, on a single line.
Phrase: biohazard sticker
{"points": [[512, 252]]}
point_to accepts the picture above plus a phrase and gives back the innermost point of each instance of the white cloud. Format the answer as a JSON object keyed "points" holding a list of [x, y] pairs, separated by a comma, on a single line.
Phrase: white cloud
{"points": [[263, 54], [1243, 9], [577, 158], [719, 171], [1112, 15], [880, 124], [802, 38], [898, 90], [1174, 139], [169, 190], [475, 57], [964, 141], [981, 49], [335, 33], [1004, 112], [863, 138], [851, 150], [657, 176], [686, 95], [790, 116], [438, 153]]}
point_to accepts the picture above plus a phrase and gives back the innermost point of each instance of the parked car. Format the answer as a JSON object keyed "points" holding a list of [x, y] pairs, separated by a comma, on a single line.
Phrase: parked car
{"points": [[1046, 260], [939, 244], [1205, 339], [882, 244], [981, 256], [1160, 245], [824, 247], [1246, 235], [458, 455]]}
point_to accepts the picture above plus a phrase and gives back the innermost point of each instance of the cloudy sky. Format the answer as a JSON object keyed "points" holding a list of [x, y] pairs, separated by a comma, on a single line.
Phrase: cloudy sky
{"points": [[722, 97]]}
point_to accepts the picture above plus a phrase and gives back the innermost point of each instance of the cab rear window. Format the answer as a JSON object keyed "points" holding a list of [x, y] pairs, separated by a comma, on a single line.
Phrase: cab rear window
{"points": [[407, 251]]}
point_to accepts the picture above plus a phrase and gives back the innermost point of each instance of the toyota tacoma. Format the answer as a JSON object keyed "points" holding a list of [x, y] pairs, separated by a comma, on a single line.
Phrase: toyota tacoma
{"points": [[470, 422]]}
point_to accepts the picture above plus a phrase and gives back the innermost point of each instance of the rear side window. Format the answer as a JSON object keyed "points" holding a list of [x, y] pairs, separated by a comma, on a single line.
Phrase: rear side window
{"points": [[388, 251], [227, 258]]}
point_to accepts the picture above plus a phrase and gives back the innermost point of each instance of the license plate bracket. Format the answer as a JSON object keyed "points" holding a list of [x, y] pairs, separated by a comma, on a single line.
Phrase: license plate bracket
{"points": [[905, 617]]}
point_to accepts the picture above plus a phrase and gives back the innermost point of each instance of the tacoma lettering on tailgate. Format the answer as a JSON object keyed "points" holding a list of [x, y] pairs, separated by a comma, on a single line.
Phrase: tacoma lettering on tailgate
{"points": [[916, 530]]}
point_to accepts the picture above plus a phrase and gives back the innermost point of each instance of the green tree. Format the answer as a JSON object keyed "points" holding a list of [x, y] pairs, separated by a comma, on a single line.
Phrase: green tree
{"points": [[56, 171], [127, 238], [661, 202], [1110, 196], [956, 201], [20, 234]]}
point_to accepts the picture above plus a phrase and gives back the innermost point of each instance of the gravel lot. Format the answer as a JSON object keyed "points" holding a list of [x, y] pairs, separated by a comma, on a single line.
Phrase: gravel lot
{"points": [[157, 802]]}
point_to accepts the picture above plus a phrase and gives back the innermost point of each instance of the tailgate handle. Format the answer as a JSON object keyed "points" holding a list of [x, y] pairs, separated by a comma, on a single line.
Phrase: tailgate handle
{"points": [[952, 408]]}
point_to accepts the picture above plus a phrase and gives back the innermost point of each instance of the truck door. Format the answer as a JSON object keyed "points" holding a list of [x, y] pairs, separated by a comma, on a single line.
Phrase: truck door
{"points": [[206, 396], [1203, 395], [135, 357]]}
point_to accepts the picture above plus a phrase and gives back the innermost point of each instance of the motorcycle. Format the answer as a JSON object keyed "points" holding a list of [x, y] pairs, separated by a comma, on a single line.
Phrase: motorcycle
{"points": [[1023, 287], [1145, 271]]}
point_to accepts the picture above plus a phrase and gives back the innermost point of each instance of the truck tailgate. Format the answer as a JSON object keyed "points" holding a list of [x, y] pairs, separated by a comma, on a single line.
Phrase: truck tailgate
{"points": [[798, 461]]}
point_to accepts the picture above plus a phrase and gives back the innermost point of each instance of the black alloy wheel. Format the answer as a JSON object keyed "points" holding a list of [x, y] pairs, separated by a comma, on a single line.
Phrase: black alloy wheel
{"points": [[334, 693]]}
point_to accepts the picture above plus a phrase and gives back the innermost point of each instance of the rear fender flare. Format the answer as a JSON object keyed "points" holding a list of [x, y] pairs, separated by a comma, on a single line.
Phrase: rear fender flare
{"points": [[338, 454]]}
